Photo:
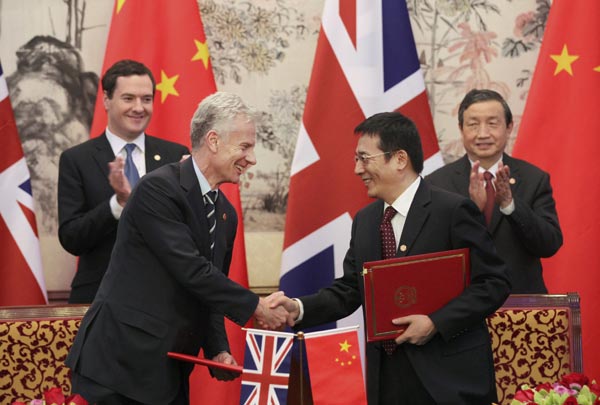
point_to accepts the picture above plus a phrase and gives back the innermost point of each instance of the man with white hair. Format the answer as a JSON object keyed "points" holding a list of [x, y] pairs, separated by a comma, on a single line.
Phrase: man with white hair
{"points": [[166, 287]]}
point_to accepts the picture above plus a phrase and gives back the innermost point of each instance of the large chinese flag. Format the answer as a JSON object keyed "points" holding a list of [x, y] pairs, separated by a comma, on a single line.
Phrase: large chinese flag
{"points": [[335, 367], [21, 275], [560, 132], [366, 62], [168, 37]]}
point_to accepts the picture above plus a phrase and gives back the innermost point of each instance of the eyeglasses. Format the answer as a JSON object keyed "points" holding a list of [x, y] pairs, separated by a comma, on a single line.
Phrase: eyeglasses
{"points": [[364, 158]]}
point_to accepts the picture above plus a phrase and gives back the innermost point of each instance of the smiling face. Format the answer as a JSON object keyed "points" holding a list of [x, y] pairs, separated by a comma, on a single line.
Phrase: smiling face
{"points": [[130, 108], [234, 151], [484, 132], [378, 171]]}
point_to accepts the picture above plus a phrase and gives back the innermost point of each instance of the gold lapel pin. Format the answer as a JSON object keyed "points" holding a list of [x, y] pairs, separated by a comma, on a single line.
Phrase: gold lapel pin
{"points": [[403, 248], [512, 180], [224, 217], [157, 157]]}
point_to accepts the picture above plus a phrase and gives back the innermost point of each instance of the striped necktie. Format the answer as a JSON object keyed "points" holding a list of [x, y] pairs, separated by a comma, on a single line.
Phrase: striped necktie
{"points": [[209, 203]]}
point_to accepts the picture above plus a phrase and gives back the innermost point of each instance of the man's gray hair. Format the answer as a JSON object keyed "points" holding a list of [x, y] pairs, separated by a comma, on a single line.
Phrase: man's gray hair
{"points": [[216, 112]]}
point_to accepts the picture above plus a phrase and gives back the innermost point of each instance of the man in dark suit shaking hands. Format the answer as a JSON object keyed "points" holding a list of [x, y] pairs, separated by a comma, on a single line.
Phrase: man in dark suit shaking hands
{"points": [[522, 214], [166, 287], [443, 357], [92, 184]]}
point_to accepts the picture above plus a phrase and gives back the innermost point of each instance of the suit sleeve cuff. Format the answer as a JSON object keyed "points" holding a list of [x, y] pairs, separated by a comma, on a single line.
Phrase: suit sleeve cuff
{"points": [[300, 310], [115, 207], [508, 209]]}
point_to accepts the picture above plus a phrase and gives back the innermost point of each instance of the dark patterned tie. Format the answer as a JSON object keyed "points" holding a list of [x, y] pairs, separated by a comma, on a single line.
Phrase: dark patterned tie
{"points": [[131, 171], [490, 195], [209, 205], [388, 241], [388, 250]]}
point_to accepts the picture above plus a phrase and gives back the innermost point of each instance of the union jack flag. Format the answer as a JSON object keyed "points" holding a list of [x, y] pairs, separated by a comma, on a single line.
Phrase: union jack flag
{"points": [[366, 62], [266, 367], [21, 275]]}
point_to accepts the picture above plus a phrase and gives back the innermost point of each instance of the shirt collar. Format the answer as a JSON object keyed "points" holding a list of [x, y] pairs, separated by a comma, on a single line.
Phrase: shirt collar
{"points": [[204, 185], [117, 144], [404, 200], [493, 169]]}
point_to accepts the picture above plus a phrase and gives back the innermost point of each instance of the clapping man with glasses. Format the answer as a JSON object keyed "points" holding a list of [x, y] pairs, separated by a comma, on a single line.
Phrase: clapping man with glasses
{"points": [[516, 197], [444, 356]]}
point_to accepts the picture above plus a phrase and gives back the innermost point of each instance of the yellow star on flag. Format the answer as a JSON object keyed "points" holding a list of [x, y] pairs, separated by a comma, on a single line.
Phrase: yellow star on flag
{"points": [[166, 86], [564, 61], [345, 346], [597, 69], [120, 5], [201, 53]]}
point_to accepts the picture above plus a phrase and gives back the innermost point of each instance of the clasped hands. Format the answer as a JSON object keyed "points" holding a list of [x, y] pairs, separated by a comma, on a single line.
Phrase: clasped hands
{"points": [[276, 311], [419, 328]]}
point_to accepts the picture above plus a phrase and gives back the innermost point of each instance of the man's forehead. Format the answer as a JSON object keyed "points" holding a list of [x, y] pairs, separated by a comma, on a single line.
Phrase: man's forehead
{"points": [[243, 134], [488, 107], [367, 142], [128, 82]]}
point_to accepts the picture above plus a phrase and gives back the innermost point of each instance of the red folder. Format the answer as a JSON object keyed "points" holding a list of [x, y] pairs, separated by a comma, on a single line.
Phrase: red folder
{"points": [[205, 362], [402, 286]]}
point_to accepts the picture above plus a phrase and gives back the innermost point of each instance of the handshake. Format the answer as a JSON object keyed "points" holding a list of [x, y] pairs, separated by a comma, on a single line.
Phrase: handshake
{"points": [[276, 311]]}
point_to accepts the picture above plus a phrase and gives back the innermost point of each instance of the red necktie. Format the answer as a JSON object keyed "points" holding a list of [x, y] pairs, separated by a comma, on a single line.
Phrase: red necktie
{"points": [[388, 241], [388, 250], [490, 194]]}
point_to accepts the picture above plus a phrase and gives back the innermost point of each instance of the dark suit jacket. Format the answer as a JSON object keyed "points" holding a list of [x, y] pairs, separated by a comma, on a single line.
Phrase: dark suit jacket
{"points": [[456, 365], [87, 227], [161, 293], [529, 233]]}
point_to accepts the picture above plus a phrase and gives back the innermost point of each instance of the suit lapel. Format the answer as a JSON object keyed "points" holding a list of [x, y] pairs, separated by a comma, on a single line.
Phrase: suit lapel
{"points": [[220, 236], [152, 154], [189, 182], [373, 250], [416, 218], [460, 178], [514, 173], [103, 153]]}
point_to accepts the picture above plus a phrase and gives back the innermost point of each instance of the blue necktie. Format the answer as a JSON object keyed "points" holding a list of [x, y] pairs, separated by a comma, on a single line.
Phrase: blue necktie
{"points": [[209, 204], [131, 171]]}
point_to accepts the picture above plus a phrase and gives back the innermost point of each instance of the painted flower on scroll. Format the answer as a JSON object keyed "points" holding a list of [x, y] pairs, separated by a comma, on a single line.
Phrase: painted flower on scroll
{"points": [[572, 389], [55, 396]]}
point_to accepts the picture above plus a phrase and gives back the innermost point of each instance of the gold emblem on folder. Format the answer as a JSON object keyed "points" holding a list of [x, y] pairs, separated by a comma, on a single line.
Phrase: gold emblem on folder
{"points": [[405, 296]]}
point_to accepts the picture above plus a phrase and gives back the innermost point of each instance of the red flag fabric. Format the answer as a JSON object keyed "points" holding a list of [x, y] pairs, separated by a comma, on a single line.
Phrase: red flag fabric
{"points": [[168, 37], [21, 274], [560, 132], [335, 367]]}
